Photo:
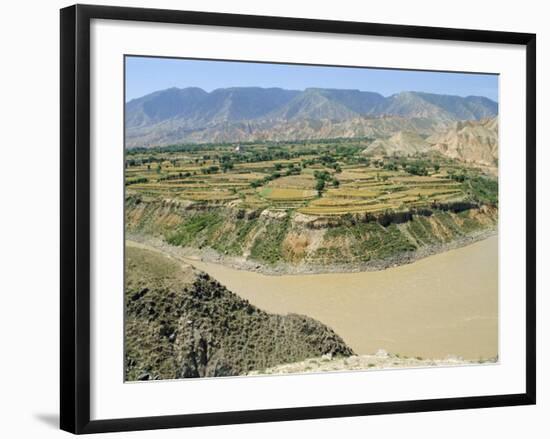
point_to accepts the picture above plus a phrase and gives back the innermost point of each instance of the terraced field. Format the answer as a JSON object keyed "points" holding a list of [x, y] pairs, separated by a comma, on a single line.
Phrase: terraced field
{"points": [[347, 185], [304, 202]]}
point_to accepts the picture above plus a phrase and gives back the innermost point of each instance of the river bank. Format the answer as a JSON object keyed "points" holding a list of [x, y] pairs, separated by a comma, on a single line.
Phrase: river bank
{"points": [[281, 268]]}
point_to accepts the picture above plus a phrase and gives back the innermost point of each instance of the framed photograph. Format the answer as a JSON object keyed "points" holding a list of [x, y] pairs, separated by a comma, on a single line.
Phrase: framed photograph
{"points": [[268, 218]]}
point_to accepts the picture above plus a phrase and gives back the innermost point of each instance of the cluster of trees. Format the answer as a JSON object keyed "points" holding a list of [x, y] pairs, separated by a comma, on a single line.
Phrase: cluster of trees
{"points": [[226, 166], [266, 179], [143, 161], [210, 170], [173, 148], [391, 166], [292, 169], [136, 180], [175, 176], [266, 156], [458, 176], [413, 167], [322, 179], [482, 189], [416, 169]]}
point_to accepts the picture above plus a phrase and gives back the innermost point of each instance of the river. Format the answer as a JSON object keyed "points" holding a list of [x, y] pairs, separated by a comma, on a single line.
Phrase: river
{"points": [[445, 304]]}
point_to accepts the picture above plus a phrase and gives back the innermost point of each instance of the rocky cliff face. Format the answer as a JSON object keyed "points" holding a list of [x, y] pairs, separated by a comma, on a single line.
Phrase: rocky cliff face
{"points": [[181, 323]]}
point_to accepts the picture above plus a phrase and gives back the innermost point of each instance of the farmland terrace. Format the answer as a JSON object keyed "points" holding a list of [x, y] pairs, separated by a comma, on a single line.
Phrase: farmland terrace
{"points": [[306, 206]]}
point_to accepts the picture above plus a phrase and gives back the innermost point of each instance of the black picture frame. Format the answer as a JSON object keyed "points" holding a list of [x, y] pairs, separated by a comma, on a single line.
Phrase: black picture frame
{"points": [[75, 217]]}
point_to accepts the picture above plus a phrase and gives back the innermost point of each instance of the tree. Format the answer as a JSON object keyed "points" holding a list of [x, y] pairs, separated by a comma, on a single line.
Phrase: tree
{"points": [[256, 183], [320, 185], [226, 166]]}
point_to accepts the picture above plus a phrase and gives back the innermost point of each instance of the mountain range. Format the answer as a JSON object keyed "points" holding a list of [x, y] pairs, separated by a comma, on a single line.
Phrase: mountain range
{"points": [[192, 115]]}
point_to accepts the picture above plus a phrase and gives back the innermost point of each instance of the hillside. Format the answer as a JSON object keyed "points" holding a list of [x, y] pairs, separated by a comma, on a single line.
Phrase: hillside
{"points": [[471, 141], [170, 132], [251, 113], [181, 323], [474, 141], [402, 142]]}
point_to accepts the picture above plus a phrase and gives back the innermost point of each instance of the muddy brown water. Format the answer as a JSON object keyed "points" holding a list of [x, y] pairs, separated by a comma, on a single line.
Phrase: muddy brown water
{"points": [[445, 304]]}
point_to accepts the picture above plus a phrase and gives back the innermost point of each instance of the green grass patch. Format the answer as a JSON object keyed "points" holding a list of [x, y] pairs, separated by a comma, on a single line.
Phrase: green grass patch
{"points": [[234, 241], [369, 241], [198, 230], [267, 246], [421, 230], [482, 189]]}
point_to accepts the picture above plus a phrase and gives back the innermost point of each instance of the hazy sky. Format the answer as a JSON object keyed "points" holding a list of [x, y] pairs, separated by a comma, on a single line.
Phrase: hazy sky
{"points": [[145, 75]]}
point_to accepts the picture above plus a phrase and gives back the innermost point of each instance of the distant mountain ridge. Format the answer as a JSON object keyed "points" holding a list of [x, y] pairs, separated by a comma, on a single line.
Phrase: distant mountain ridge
{"points": [[236, 114]]}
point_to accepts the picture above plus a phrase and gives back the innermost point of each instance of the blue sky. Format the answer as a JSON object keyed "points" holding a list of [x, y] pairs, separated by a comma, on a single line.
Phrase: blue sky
{"points": [[146, 75]]}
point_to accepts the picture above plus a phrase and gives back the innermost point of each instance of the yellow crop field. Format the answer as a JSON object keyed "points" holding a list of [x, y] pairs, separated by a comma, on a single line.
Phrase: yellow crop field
{"points": [[355, 175], [315, 178], [346, 192], [294, 182], [244, 176], [288, 194], [208, 196], [419, 179], [339, 202]]}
